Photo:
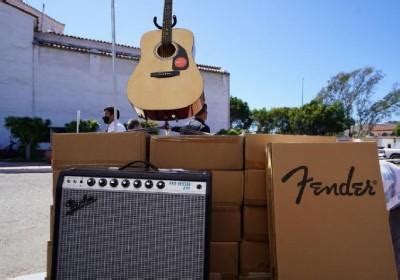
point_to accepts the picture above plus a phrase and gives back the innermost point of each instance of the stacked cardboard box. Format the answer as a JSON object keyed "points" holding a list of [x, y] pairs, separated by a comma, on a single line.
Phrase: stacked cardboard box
{"points": [[254, 256], [242, 231], [327, 212], [91, 149], [223, 156]]}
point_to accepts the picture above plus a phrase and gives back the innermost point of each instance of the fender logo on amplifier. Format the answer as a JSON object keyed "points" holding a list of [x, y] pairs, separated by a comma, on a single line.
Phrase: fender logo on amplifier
{"points": [[74, 205]]}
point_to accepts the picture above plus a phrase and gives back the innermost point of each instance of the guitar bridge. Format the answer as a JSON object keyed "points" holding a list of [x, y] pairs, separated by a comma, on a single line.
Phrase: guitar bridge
{"points": [[165, 74]]}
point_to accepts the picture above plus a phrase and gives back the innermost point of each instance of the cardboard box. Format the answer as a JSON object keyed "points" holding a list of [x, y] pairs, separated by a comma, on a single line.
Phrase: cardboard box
{"points": [[255, 223], [255, 193], [222, 276], [256, 276], [98, 148], [226, 223], [329, 219], [197, 152], [227, 188], [256, 144], [49, 259], [254, 257], [52, 220], [91, 149], [224, 258]]}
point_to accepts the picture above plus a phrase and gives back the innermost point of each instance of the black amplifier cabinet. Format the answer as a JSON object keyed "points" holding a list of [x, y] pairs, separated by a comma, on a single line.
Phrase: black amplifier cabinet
{"points": [[113, 224]]}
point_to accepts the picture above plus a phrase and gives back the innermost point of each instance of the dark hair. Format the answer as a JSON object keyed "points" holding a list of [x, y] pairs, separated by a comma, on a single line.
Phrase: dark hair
{"points": [[111, 111], [203, 109], [132, 124]]}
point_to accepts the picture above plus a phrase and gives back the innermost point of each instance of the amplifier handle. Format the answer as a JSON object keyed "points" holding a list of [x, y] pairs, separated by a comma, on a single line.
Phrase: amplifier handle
{"points": [[134, 164]]}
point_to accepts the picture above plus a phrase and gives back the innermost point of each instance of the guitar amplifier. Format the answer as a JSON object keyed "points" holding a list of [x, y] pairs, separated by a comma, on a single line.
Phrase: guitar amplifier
{"points": [[138, 224]]}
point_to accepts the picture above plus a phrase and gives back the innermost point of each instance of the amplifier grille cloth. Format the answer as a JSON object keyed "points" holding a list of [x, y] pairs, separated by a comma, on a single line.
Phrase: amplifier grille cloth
{"points": [[132, 235]]}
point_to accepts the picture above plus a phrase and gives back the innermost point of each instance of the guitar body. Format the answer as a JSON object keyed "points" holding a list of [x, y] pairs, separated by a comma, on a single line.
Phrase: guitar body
{"points": [[166, 86]]}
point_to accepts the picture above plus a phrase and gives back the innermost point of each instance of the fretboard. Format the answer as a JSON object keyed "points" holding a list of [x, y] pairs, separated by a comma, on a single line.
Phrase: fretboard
{"points": [[167, 23]]}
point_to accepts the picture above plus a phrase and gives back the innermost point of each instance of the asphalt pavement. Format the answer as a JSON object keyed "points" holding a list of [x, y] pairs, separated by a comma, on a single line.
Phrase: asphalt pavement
{"points": [[25, 199]]}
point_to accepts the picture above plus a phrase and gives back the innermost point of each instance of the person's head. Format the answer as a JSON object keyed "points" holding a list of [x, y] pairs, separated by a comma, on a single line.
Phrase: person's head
{"points": [[133, 124], [109, 115], [202, 114]]}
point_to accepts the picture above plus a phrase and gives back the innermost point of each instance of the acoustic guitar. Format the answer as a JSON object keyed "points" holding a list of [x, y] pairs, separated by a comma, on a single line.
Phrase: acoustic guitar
{"points": [[166, 84]]}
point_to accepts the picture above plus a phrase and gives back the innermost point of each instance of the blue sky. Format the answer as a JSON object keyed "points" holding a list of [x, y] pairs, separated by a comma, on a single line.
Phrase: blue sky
{"points": [[268, 46]]}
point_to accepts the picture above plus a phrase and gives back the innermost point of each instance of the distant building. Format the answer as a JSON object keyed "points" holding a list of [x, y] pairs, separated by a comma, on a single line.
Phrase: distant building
{"points": [[383, 135], [381, 141], [48, 74], [386, 129]]}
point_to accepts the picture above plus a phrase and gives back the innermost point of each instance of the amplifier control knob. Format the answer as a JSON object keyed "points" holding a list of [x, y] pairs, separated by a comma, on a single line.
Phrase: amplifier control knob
{"points": [[160, 184], [113, 183], [91, 182], [102, 182], [137, 183], [148, 184], [125, 183]]}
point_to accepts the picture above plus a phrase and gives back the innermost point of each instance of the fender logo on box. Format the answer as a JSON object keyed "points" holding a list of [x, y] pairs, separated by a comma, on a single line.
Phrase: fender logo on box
{"points": [[344, 188], [326, 212]]}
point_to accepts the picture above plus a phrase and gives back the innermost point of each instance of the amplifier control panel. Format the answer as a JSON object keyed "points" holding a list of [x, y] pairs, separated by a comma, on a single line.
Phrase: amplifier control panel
{"points": [[134, 185]]}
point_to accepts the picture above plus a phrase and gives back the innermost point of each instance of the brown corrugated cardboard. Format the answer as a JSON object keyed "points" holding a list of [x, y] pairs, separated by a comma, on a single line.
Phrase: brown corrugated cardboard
{"points": [[223, 276], [197, 152], [52, 217], [98, 148], [256, 144], [224, 258], [329, 219], [93, 149], [254, 188], [255, 223], [254, 257], [226, 156], [227, 188], [256, 276], [56, 172], [226, 222], [49, 259]]}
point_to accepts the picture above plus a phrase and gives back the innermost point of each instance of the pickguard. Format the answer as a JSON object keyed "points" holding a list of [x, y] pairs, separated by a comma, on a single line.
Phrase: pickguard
{"points": [[181, 60]]}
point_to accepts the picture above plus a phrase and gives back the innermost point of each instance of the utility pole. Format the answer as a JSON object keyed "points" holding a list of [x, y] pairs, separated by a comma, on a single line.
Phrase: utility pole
{"points": [[41, 18], [114, 77], [302, 92]]}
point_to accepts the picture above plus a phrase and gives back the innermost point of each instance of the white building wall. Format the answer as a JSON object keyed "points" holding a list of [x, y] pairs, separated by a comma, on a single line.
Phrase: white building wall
{"points": [[67, 81], [386, 142], [16, 67], [53, 83], [45, 23], [80, 42], [217, 95]]}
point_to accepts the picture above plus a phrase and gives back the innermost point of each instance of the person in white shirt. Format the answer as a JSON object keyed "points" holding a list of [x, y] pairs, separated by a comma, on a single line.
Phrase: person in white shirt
{"points": [[113, 125], [391, 183], [391, 186]]}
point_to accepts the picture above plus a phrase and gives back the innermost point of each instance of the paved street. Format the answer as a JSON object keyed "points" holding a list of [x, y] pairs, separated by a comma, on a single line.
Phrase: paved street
{"points": [[25, 200]]}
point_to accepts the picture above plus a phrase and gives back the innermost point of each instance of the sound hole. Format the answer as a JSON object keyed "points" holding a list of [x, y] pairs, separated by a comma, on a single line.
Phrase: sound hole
{"points": [[166, 50]]}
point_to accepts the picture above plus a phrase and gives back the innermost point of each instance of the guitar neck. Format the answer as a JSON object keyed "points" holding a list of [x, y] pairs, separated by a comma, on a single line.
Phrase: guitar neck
{"points": [[167, 23]]}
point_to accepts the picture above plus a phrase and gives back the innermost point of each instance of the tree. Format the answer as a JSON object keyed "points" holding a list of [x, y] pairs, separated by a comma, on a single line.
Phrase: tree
{"points": [[84, 126], [396, 131], [151, 127], [314, 118], [239, 114], [231, 131], [262, 120], [28, 131], [276, 120], [355, 91]]}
